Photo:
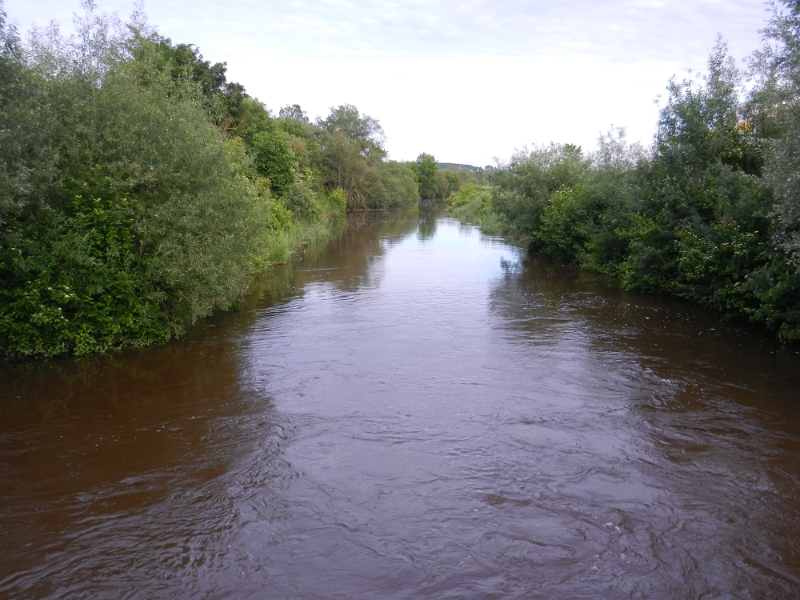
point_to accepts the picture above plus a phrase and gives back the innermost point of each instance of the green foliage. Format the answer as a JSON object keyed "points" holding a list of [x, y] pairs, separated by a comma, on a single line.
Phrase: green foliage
{"points": [[426, 174], [523, 188], [566, 223], [280, 218], [254, 119], [780, 70], [776, 287], [472, 203], [302, 201], [140, 190], [230, 107], [294, 113], [274, 159], [360, 130], [346, 168], [451, 179], [344, 152], [394, 185], [714, 266], [303, 139], [225, 101], [337, 201], [694, 217], [349, 155], [126, 211], [73, 284], [706, 214]]}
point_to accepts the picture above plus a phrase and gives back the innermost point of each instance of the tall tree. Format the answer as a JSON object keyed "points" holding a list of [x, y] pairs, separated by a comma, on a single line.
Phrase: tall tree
{"points": [[426, 172], [362, 130], [780, 68]]}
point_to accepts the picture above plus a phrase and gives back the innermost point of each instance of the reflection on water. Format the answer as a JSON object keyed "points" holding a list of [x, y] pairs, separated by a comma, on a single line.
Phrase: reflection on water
{"points": [[416, 412], [428, 219]]}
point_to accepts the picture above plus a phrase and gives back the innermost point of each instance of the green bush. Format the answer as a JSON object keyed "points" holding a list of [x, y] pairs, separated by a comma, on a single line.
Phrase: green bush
{"points": [[337, 201], [393, 186], [523, 188], [473, 203], [274, 160], [127, 214], [693, 217]]}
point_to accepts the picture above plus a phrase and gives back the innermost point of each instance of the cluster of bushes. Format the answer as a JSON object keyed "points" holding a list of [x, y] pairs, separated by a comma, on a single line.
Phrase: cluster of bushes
{"points": [[140, 190], [345, 151], [435, 182], [709, 213]]}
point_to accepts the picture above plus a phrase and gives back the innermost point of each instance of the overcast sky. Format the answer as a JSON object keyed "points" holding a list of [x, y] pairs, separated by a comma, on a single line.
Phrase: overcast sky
{"points": [[466, 81]]}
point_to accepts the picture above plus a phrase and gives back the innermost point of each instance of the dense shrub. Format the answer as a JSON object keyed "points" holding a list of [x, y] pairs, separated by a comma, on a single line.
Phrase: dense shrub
{"points": [[709, 214], [473, 202], [130, 206], [523, 188], [393, 186], [128, 214]]}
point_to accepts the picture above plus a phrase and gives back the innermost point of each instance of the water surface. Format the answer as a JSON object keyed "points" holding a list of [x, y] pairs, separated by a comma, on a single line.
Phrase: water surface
{"points": [[417, 412]]}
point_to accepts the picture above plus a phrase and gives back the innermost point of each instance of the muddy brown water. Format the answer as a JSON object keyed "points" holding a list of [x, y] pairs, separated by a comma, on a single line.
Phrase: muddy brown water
{"points": [[416, 412]]}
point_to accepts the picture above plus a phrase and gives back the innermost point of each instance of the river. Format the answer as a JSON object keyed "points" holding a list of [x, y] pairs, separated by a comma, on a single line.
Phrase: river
{"points": [[418, 411]]}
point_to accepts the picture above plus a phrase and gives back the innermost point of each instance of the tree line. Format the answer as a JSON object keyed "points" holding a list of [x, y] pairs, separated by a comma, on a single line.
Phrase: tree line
{"points": [[710, 212], [140, 190]]}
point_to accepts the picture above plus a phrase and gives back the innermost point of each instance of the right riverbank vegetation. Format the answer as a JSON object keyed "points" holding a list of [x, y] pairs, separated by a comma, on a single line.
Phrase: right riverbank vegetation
{"points": [[710, 212]]}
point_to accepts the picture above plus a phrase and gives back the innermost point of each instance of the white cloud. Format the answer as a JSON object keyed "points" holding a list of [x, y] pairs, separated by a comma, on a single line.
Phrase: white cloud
{"points": [[470, 111], [465, 81]]}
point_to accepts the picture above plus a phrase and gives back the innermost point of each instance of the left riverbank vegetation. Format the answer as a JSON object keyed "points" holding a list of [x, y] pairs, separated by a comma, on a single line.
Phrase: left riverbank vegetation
{"points": [[710, 212], [140, 190]]}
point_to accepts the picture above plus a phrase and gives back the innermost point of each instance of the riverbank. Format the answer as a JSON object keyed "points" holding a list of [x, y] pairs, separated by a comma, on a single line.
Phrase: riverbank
{"points": [[704, 214], [741, 276]]}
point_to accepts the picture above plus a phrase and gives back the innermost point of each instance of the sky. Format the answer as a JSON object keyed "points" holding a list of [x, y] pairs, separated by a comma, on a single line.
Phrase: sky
{"points": [[467, 81]]}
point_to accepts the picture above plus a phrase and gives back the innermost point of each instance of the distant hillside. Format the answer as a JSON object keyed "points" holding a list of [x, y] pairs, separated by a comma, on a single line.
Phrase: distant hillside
{"points": [[456, 166]]}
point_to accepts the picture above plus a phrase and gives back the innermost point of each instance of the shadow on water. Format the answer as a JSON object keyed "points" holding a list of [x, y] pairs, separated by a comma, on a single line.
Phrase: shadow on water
{"points": [[674, 341], [110, 458]]}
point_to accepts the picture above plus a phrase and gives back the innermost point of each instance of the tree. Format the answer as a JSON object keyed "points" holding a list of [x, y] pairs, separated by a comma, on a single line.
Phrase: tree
{"points": [[426, 172], [781, 68], [362, 130], [183, 62], [293, 112], [777, 114], [523, 187], [347, 168], [393, 186], [703, 226], [274, 160], [351, 151]]}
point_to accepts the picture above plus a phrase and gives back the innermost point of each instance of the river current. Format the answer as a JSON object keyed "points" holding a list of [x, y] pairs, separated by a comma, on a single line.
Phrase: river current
{"points": [[418, 411]]}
